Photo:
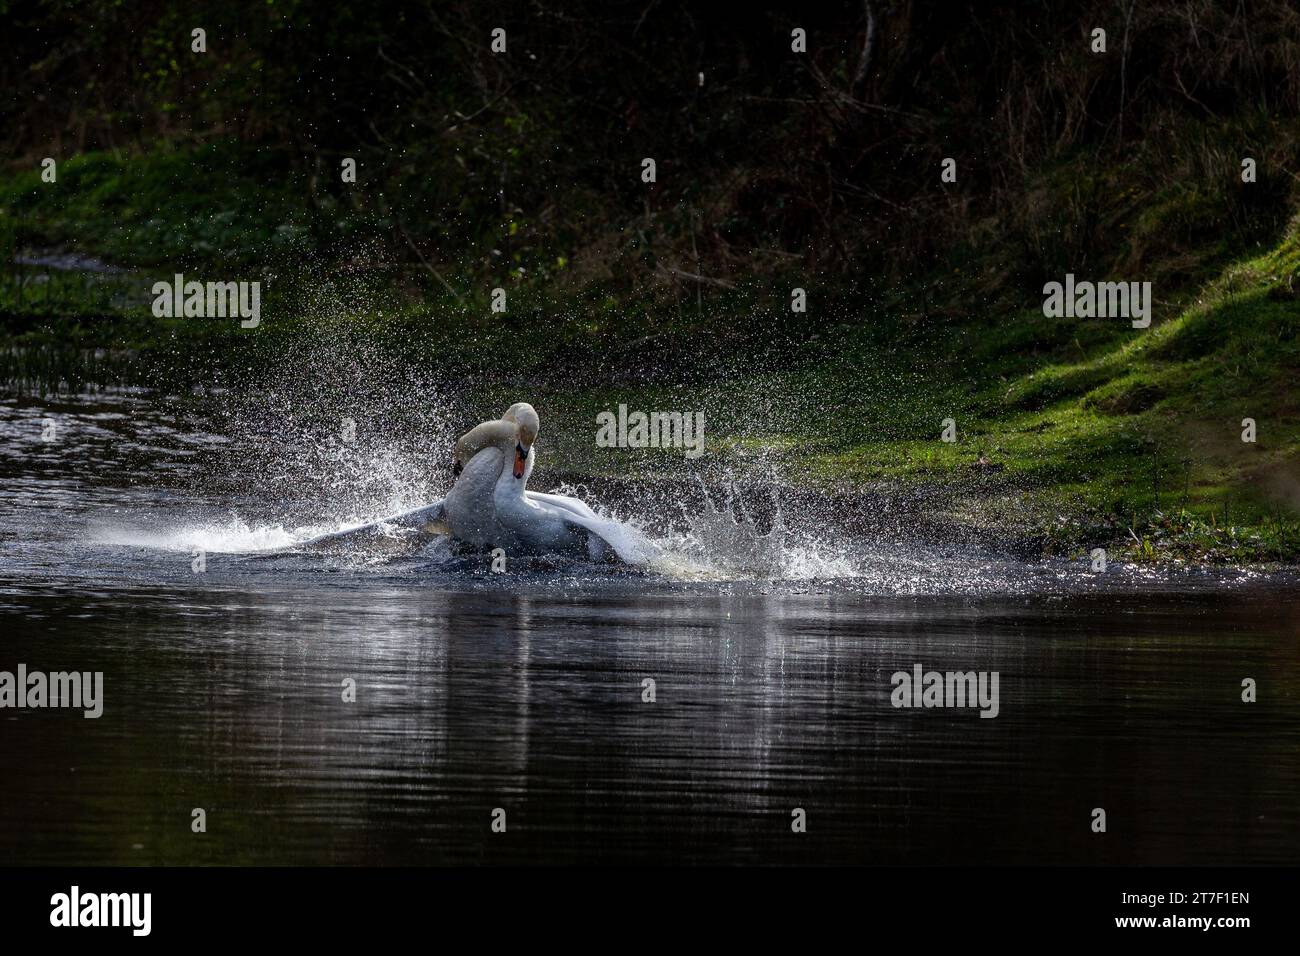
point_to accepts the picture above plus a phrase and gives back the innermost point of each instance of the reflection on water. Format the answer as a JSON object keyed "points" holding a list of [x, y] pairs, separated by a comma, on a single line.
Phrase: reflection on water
{"points": [[473, 691]]}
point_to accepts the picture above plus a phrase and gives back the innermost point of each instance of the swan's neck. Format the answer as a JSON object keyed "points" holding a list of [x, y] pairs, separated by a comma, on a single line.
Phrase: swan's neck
{"points": [[494, 434], [507, 483]]}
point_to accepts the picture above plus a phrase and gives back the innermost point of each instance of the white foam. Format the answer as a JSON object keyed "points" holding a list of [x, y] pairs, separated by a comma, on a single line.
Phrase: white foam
{"points": [[230, 537]]}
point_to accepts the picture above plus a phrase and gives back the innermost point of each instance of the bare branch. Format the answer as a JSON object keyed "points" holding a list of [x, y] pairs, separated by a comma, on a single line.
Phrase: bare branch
{"points": [[703, 280], [868, 48]]}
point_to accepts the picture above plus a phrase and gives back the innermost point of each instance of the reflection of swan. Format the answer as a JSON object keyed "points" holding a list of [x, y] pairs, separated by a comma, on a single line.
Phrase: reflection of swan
{"points": [[489, 505]]}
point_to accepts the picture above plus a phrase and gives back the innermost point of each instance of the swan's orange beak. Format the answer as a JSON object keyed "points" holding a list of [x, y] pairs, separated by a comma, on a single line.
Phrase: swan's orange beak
{"points": [[521, 458]]}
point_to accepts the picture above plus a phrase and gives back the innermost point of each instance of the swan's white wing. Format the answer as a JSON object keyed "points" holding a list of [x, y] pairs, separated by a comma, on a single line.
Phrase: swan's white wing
{"points": [[629, 544], [427, 519], [575, 505]]}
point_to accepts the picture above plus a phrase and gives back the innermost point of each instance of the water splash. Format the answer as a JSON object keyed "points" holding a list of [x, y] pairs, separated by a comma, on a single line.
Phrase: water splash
{"points": [[729, 543]]}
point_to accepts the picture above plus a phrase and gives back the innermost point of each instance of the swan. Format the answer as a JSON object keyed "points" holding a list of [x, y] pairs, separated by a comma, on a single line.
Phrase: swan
{"points": [[489, 504]]}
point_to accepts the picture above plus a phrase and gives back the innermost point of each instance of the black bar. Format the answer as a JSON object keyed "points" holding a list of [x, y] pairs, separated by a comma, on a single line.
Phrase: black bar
{"points": [[548, 906]]}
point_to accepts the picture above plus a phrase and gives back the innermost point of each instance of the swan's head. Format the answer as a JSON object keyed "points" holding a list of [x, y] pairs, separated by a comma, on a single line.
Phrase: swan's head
{"points": [[524, 417]]}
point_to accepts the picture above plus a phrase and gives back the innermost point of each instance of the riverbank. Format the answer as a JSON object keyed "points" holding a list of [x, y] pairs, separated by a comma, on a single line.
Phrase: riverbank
{"points": [[1073, 433]]}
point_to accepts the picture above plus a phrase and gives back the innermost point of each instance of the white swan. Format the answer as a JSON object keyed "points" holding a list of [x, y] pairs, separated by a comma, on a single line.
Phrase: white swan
{"points": [[489, 505]]}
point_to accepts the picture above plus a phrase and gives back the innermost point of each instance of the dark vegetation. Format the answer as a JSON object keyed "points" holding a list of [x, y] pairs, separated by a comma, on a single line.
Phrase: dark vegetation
{"points": [[776, 170]]}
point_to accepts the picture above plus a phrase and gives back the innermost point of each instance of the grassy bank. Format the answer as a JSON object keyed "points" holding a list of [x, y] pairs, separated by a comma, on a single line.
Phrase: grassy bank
{"points": [[1078, 432]]}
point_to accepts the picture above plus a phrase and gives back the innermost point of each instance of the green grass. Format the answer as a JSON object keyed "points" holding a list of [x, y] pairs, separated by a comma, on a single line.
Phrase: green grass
{"points": [[1121, 428], [214, 205]]}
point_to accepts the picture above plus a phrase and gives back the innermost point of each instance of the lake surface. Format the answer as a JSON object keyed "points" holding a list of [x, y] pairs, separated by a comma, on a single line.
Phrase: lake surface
{"points": [[223, 689]]}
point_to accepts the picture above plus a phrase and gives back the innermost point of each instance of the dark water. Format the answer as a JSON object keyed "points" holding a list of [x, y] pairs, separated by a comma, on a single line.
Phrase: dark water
{"points": [[523, 691]]}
